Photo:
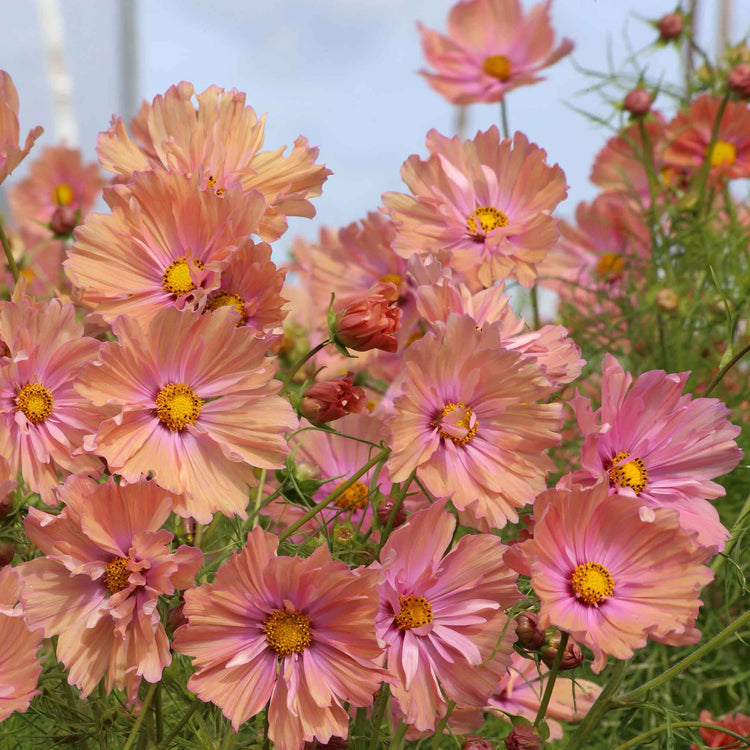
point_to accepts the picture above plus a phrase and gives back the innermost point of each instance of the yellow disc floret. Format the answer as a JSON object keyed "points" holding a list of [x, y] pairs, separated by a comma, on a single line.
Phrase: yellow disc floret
{"points": [[633, 473], [497, 66], [116, 575], [223, 298], [592, 583], [415, 611], [610, 266], [484, 219], [176, 278], [353, 497], [287, 632], [457, 422], [63, 194], [177, 406], [392, 278], [35, 401], [723, 154]]}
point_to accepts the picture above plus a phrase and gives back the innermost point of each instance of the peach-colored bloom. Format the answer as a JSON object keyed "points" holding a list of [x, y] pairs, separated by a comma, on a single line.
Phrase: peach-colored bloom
{"points": [[164, 244], [11, 154], [689, 138], [295, 634], [19, 666], [486, 201], [219, 140], [43, 420], [738, 723], [107, 561], [611, 578], [195, 404], [491, 48]]}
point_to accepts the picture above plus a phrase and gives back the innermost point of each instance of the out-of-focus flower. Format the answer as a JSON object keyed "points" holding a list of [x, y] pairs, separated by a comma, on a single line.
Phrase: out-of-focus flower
{"points": [[107, 561], [484, 204], [370, 322], [465, 419], [441, 616], [327, 400], [194, 403], [491, 48], [294, 634], [638, 102], [7, 553], [523, 737], [611, 578], [689, 138], [219, 140], [739, 723], [11, 154], [738, 80], [659, 447], [667, 299], [671, 26]]}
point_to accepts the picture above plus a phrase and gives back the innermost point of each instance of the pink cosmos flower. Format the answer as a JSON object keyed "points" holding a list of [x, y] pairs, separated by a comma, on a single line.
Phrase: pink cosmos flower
{"points": [[522, 687], [19, 666], [220, 140], [296, 634], [106, 562], [653, 443], [739, 723], [43, 420], [441, 616], [465, 420], [491, 48], [164, 244], [11, 154], [487, 202], [194, 403], [689, 136], [611, 578]]}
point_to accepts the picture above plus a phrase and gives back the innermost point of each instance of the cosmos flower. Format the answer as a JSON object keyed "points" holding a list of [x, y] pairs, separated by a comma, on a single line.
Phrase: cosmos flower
{"points": [[491, 48], [739, 723], [487, 202], [11, 154], [219, 140], [611, 578], [294, 634], [441, 616], [106, 563]]}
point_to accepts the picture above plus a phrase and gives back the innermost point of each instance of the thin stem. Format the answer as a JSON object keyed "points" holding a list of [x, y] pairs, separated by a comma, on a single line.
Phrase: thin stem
{"points": [[551, 677], [395, 509], [8, 253], [706, 166], [535, 307], [397, 741], [258, 499], [438, 735], [330, 498], [377, 716], [636, 741], [716, 379], [181, 723], [504, 118], [300, 363], [460, 126], [733, 536], [141, 716], [158, 714]]}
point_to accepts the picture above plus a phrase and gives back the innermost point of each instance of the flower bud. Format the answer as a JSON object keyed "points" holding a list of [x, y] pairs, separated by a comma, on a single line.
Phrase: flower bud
{"points": [[477, 744], [638, 102], [176, 616], [7, 553], [384, 513], [335, 743], [739, 80], [64, 220], [670, 26], [371, 322], [6, 506], [667, 299], [523, 737], [572, 656], [332, 399], [529, 634]]}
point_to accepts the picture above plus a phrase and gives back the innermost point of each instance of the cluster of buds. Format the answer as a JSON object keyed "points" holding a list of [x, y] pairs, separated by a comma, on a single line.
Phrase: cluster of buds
{"points": [[547, 643]]}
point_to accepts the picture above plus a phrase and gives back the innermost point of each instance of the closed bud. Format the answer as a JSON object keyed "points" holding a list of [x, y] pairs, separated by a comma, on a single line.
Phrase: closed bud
{"points": [[176, 616], [7, 552], [572, 656], [6, 506], [332, 399], [64, 220], [738, 80], [670, 26], [523, 737], [667, 299], [477, 744], [529, 634], [335, 743], [638, 102], [370, 322], [384, 513]]}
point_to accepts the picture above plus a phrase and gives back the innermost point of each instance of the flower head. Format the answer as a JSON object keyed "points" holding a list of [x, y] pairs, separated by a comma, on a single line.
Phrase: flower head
{"points": [[11, 154], [370, 322], [738, 723]]}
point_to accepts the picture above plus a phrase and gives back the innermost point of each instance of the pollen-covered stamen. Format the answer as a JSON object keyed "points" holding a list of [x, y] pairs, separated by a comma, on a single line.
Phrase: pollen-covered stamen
{"points": [[176, 278], [624, 473], [353, 497], [116, 575], [177, 406], [498, 66], [592, 583], [35, 401], [484, 219], [63, 194], [723, 154], [287, 632], [415, 611], [211, 183], [610, 266], [457, 422], [222, 298]]}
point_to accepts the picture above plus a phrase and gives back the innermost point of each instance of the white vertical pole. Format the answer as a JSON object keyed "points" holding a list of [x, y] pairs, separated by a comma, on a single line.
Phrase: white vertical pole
{"points": [[128, 60]]}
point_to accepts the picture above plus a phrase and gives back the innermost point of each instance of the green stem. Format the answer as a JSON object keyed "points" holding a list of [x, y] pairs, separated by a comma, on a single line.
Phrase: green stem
{"points": [[636, 741], [706, 166], [306, 358], [438, 735], [258, 499], [180, 724], [330, 498], [8, 253], [716, 379], [535, 307], [397, 741], [551, 677], [377, 716], [397, 503], [141, 716], [733, 537], [504, 118], [698, 654], [158, 714]]}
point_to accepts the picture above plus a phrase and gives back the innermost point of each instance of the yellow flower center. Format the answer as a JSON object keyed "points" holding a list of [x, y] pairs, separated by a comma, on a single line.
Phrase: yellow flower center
{"points": [[63, 194], [457, 422], [497, 66], [35, 401], [610, 266], [116, 575], [631, 473], [723, 154], [592, 583], [393, 278], [176, 278], [353, 497], [177, 406], [489, 218], [222, 298], [287, 632], [415, 611]]}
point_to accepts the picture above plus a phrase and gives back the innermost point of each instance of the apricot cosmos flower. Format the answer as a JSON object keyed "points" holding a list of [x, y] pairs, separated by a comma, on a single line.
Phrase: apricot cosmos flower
{"points": [[11, 153]]}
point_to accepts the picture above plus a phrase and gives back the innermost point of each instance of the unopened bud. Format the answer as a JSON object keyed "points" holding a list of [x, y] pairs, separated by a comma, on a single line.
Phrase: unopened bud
{"points": [[176, 616], [7, 552], [332, 399], [529, 634], [671, 26], [6, 506], [638, 102], [739, 80], [64, 220], [667, 299], [572, 656], [370, 322], [384, 513], [476, 744], [335, 743], [523, 737]]}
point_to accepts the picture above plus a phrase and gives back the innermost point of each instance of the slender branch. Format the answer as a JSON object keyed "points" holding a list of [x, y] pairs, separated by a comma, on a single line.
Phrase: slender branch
{"points": [[181, 723], [636, 741], [8, 253], [300, 363], [141, 716], [716, 379], [551, 677]]}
